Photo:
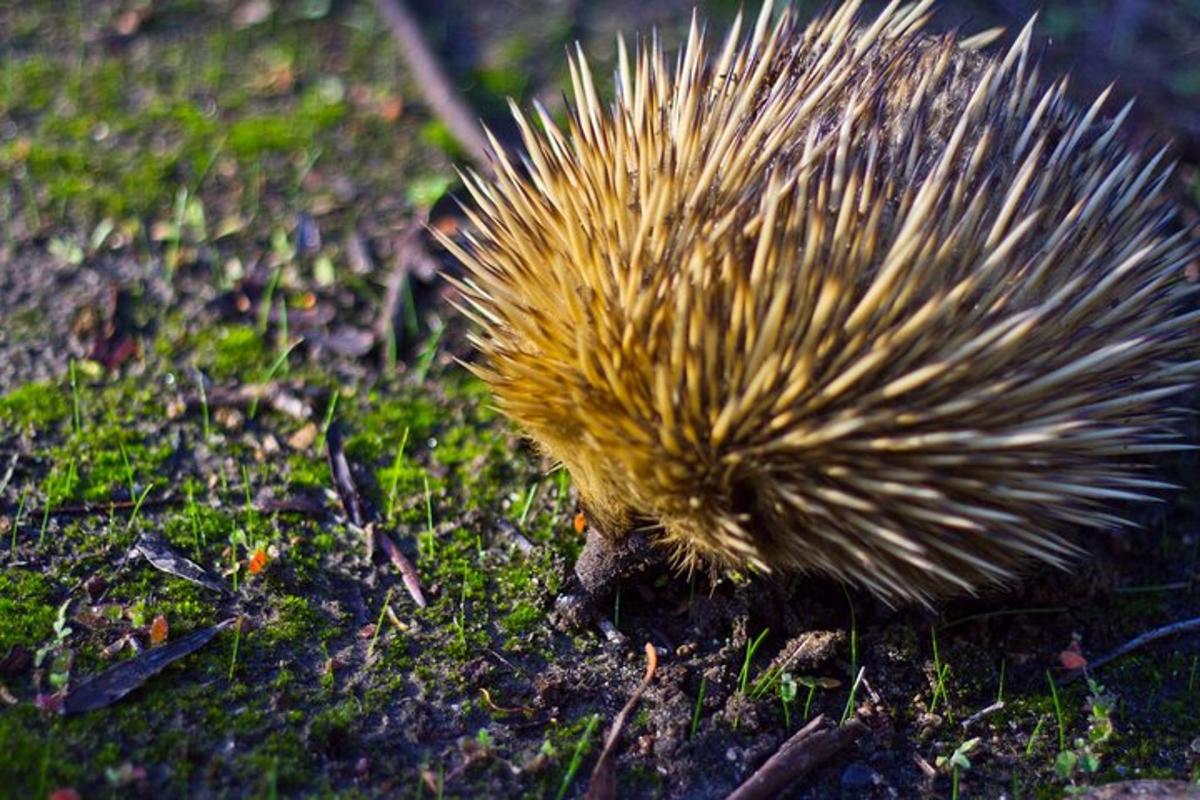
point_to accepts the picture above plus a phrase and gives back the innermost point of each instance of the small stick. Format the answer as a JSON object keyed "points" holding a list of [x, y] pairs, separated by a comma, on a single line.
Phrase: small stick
{"points": [[12, 466], [1186, 626], [275, 395], [439, 91], [981, 713], [408, 573], [807, 749], [410, 250], [603, 783], [518, 538], [97, 509]]}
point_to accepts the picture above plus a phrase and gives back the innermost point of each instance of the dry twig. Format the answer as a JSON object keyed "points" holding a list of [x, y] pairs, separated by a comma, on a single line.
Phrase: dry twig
{"points": [[603, 783], [440, 94], [1186, 626], [408, 573], [808, 748]]}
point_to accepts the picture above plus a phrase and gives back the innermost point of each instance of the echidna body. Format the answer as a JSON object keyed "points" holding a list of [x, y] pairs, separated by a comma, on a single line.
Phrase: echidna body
{"points": [[843, 297]]}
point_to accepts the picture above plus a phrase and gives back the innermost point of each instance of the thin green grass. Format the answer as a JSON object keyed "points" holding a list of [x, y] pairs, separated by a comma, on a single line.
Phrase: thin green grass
{"points": [[529, 497], [699, 705], [581, 748], [16, 524], [396, 462], [329, 412], [1058, 713], [137, 506], [854, 671], [387, 598], [940, 673], [76, 416]]}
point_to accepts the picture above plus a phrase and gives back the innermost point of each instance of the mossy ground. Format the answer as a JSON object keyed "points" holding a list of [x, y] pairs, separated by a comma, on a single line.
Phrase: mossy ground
{"points": [[184, 153]]}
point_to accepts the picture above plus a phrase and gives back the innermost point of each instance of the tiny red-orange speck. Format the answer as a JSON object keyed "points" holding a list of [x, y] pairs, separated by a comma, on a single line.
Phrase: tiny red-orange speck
{"points": [[258, 561]]}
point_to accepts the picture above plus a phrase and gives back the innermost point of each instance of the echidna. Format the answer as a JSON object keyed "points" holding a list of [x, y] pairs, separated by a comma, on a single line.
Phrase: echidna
{"points": [[846, 297]]}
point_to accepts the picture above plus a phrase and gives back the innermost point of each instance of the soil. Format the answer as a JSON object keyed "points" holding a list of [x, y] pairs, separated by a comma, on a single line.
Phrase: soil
{"points": [[200, 197]]}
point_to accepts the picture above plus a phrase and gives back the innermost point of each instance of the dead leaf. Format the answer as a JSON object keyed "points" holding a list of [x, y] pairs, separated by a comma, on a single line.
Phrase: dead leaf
{"points": [[130, 21], [115, 683], [162, 557], [16, 660], [250, 13], [1072, 658]]}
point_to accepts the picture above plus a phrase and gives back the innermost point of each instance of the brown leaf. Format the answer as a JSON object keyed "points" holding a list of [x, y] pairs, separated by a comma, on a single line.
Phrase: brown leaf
{"points": [[162, 557]]}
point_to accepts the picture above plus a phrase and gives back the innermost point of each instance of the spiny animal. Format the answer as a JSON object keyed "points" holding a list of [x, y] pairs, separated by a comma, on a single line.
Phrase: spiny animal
{"points": [[843, 297]]}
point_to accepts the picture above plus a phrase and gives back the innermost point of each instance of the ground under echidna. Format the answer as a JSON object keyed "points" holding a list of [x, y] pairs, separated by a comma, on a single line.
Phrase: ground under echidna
{"points": [[842, 297]]}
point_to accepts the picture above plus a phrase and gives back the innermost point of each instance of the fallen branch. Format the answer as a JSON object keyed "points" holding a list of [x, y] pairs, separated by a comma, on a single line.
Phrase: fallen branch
{"points": [[1186, 626], [439, 91], [811, 746], [508, 529], [275, 395], [603, 783]]}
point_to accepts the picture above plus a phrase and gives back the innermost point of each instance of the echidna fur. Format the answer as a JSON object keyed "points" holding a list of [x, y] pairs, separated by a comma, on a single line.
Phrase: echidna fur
{"points": [[842, 297]]}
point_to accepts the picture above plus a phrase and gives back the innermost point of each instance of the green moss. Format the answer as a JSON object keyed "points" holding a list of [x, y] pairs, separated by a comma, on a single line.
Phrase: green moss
{"points": [[307, 471], [30, 85], [280, 764], [230, 351], [332, 730], [28, 605], [253, 136], [199, 523], [35, 405], [111, 458], [296, 621], [523, 618], [378, 432]]}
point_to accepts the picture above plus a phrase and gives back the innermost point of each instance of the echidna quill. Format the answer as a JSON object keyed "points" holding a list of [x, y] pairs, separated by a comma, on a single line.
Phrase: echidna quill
{"points": [[847, 298]]}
